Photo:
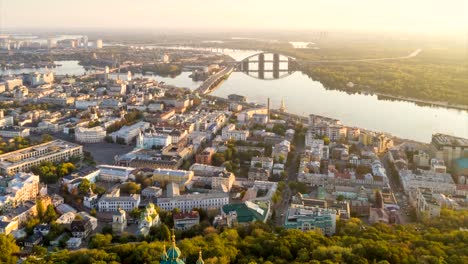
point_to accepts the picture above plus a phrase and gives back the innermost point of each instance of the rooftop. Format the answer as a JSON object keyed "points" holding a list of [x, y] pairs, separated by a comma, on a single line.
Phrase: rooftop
{"points": [[41, 150], [447, 140]]}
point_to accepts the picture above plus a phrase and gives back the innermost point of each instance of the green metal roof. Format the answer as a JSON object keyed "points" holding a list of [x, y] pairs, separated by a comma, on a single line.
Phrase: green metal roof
{"points": [[244, 213]]}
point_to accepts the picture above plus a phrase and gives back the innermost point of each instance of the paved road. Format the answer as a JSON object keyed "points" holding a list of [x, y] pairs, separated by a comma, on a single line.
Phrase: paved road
{"points": [[291, 173], [207, 85], [402, 199]]}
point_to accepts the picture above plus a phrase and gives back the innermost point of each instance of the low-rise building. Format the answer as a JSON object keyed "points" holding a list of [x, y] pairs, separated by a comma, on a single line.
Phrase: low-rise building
{"points": [[438, 182], [426, 205], [205, 156], [262, 162], [11, 132], [151, 192], [129, 133], [153, 140], [230, 133], [185, 221], [258, 174], [248, 212], [112, 203], [188, 202], [311, 218], [111, 173], [81, 228], [119, 221], [90, 135], [181, 177]]}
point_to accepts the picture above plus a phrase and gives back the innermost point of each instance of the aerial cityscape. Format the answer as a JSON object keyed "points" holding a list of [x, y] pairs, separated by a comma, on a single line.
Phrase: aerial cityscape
{"points": [[262, 131]]}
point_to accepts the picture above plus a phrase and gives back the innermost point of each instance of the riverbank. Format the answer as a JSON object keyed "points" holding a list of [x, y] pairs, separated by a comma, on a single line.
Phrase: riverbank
{"points": [[420, 101], [305, 119]]}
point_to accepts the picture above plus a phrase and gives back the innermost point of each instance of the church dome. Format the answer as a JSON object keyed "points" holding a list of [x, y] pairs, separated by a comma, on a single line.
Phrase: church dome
{"points": [[173, 252]]}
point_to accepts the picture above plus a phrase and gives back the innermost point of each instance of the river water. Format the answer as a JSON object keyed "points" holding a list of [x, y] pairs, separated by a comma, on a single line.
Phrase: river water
{"points": [[70, 67], [303, 95]]}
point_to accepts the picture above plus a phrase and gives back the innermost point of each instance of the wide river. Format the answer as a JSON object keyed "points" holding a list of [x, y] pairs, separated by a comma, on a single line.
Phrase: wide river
{"points": [[302, 95]]}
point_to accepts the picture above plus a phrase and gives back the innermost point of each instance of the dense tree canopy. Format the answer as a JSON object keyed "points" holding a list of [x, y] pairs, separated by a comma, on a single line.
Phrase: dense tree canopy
{"points": [[355, 242], [8, 249]]}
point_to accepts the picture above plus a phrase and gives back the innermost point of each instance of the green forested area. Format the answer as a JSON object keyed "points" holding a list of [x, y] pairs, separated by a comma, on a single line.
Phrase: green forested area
{"points": [[437, 241], [418, 78], [439, 73]]}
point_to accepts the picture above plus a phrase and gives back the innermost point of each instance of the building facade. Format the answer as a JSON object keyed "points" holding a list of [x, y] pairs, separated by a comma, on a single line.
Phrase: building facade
{"points": [[90, 135], [24, 159]]}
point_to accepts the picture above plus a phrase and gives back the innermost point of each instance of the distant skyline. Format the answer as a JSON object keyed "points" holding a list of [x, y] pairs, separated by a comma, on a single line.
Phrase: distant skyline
{"points": [[424, 16]]}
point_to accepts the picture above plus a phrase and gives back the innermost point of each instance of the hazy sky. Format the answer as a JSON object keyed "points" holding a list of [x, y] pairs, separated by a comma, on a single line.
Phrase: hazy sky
{"points": [[430, 16]]}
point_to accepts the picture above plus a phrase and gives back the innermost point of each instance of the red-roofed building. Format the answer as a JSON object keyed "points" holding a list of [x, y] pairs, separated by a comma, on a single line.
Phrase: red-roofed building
{"points": [[185, 221]]}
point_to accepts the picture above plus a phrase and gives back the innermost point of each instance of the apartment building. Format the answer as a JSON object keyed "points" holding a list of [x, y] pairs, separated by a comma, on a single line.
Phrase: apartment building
{"points": [[230, 133], [20, 188], [24, 159], [188, 202]]}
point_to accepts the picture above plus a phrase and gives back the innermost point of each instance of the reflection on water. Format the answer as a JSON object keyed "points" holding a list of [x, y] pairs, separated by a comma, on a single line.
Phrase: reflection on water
{"points": [[181, 80], [304, 96], [301, 44], [70, 67]]}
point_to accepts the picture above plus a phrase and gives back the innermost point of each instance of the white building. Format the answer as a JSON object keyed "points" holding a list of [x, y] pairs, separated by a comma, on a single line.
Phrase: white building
{"points": [[99, 44], [24, 159], [112, 203], [5, 121], [11, 132], [151, 192], [265, 162], [20, 188], [438, 182], [230, 133], [426, 205], [85, 104], [128, 133], [223, 182], [311, 218], [323, 126], [188, 202], [111, 173], [246, 115], [90, 135], [150, 140]]}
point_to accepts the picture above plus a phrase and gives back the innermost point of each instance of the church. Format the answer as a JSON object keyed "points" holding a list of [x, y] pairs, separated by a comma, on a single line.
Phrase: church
{"points": [[172, 256]]}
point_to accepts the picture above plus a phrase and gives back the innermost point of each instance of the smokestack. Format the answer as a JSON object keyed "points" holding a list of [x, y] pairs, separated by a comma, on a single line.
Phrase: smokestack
{"points": [[268, 109]]}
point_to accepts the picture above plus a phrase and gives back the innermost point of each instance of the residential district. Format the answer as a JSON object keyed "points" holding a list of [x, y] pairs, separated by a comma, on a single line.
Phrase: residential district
{"points": [[93, 154]]}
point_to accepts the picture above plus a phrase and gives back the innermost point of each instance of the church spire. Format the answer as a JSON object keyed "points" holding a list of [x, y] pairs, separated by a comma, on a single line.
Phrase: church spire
{"points": [[200, 258], [282, 106], [164, 254]]}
